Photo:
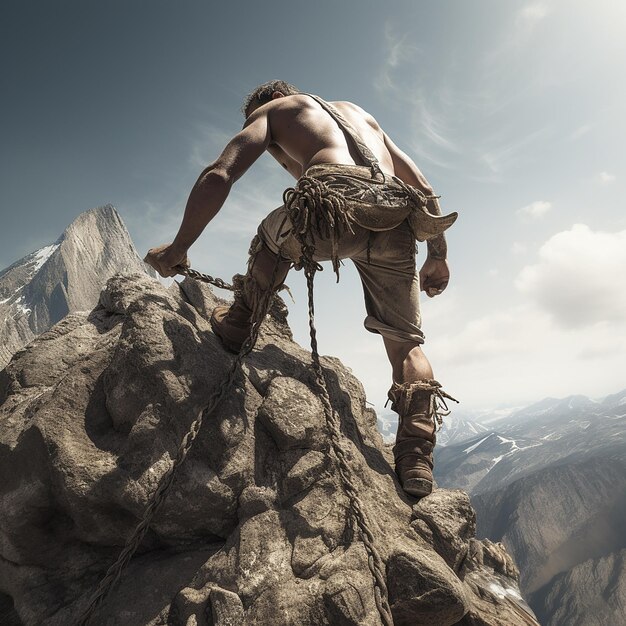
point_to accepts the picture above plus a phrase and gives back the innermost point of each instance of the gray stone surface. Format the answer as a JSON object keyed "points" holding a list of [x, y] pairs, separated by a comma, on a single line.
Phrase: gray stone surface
{"points": [[256, 529]]}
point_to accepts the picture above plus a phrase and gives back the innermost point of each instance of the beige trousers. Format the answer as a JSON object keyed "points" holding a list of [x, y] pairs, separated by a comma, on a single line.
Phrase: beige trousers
{"points": [[385, 262]]}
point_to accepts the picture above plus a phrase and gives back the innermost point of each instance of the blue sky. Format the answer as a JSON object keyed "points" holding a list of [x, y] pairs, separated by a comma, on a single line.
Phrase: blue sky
{"points": [[512, 109]]}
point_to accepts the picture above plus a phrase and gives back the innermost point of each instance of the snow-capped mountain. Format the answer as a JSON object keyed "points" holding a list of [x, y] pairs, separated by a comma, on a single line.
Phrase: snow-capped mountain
{"points": [[532, 438], [44, 286], [387, 423], [456, 428]]}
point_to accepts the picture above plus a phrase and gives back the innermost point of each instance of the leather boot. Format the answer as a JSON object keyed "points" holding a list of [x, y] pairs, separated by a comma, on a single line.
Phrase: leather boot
{"points": [[416, 405], [232, 324]]}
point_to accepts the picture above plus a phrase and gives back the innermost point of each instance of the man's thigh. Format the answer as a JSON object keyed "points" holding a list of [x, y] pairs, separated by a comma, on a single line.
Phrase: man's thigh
{"points": [[391, 285]]}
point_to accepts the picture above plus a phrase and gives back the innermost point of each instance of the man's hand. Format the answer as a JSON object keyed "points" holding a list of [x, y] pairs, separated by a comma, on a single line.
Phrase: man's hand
{"points": [[165, 258], [434, 276]]}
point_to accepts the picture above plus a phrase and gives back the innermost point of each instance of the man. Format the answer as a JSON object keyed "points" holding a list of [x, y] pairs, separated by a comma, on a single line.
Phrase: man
{"points": [[358, 196]]}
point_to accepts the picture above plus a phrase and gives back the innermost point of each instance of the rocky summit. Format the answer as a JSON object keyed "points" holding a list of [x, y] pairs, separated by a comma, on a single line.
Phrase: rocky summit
{"points": [[43, 287], [256, 529]]}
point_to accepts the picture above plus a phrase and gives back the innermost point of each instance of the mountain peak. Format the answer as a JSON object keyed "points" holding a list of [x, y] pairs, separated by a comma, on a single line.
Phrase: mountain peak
{"points": [[47, 284]]}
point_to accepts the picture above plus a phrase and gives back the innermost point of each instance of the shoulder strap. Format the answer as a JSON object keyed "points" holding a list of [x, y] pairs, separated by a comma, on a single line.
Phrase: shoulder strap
{"points": [[366, 154]]}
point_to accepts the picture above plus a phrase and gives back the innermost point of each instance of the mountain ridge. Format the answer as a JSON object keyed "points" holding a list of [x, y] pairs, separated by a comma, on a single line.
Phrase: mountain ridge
{"points": [[256, 528], [549, 481]]}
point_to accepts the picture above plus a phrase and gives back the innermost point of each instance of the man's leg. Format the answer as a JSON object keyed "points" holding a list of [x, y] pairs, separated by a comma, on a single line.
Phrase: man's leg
{"points": [[391, 288], [272, 252], [412, 398], [266, 272], [408, 361]]}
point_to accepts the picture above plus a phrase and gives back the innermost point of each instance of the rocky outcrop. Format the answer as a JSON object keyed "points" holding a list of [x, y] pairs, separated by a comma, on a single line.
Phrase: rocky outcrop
{"points": [[40, 289], [256, 528]]}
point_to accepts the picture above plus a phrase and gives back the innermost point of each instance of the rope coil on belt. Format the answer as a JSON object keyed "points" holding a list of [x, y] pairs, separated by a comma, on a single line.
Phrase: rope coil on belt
{"points": [[375, 563]]}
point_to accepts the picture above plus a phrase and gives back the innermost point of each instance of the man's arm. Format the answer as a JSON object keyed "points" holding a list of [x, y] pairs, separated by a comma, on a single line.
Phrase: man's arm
{"points": [[407, 171], [211, 190], [435, 274], [405, 168]]}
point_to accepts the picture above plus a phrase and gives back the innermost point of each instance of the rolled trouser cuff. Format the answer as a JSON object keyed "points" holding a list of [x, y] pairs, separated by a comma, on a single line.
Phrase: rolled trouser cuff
{"points": [[414, 335]]}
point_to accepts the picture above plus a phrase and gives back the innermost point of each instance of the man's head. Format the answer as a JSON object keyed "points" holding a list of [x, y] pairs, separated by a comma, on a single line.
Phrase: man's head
{"points": [[264, 93]]}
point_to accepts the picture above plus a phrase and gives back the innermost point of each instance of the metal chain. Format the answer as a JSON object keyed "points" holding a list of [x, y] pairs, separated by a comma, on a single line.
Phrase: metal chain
{"points": [[158, 496], [205, 278]]}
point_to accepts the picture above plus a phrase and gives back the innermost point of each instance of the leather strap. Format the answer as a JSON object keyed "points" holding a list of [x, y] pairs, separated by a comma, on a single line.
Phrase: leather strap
{"points": [[366, 154]]}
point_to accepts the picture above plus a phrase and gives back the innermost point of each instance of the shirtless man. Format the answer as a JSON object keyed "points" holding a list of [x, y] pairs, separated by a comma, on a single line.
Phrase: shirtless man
{"points": [[299, 133]]}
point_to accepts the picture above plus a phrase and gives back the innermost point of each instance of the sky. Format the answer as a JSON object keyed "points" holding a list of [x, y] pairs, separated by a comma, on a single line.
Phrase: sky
{"points": [[512, 109]]}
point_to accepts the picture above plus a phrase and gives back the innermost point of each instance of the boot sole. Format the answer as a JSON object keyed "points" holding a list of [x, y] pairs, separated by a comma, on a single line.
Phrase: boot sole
{"points": [[418, 487]]}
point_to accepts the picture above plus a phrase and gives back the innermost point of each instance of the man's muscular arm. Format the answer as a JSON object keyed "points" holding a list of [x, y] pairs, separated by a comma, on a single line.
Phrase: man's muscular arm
{"points": [[211, 190], [435, 273], [407, 171]]}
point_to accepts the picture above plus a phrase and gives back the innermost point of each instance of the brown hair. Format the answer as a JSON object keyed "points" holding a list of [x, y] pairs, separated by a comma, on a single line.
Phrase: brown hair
{"points": [[263, 94]]}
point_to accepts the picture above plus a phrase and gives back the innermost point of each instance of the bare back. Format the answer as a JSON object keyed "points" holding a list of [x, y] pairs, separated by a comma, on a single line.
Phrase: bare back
{"points": [[304, 134]]}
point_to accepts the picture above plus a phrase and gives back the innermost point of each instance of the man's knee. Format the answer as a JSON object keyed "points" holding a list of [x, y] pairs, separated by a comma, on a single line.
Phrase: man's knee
{"points": [[267, 268]]}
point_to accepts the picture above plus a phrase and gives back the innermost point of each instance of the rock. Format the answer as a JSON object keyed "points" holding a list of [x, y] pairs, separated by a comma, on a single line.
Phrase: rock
{"points": [[292, 415], [491, 578], [422, 590], [447, 519], [256, 528]]}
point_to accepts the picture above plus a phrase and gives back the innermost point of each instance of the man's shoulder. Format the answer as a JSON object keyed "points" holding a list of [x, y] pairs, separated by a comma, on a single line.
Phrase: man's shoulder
{"points": [[351, 107], [347, 104]]}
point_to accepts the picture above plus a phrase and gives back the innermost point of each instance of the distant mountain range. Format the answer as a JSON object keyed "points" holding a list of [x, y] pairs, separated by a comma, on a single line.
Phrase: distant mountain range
{"points": [[66, 276], [457, 427], [549, 481]]}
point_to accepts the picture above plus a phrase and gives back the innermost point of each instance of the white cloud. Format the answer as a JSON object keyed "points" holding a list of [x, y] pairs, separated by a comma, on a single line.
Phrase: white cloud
{"points": [[605, 177], [565, 333], [579, 277], [505, 152], [517, 356], [432, 109], [535, 210], [207, 143], [518, 248], [580, 131], [398, 50], [432, 126], [534, 12]]}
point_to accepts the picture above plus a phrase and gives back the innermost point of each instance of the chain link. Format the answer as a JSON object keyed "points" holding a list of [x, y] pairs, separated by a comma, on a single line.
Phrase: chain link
{"points": [[205, 278]]}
